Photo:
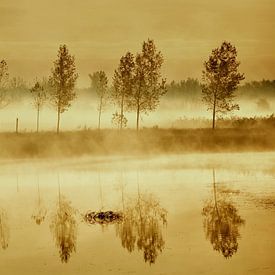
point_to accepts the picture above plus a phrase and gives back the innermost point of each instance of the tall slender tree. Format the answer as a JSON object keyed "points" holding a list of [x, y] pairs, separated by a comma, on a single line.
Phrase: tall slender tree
{"points": [[38, 92], [99, 82], [63, 82], [220, 79], [123, 83], [148, 81]]}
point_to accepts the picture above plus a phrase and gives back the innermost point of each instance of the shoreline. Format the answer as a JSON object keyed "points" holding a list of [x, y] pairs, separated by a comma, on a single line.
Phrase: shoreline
{"points": [[149, 141]]}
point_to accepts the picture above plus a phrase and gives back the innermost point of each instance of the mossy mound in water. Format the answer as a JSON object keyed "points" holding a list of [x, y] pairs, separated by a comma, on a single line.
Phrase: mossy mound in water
{"points": [[103, 217]]}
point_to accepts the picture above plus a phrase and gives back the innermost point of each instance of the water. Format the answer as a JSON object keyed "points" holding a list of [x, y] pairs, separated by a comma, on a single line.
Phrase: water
{"points": [[191, 214]]}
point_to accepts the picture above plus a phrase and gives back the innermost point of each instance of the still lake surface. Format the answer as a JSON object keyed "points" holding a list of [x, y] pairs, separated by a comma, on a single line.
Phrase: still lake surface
{"points": [[180, 214]]}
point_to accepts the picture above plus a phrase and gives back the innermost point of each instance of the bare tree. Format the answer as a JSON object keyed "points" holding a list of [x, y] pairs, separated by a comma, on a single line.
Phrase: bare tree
{"points": [[38, 92], [220, 79], [4, 76], [123, 82], [149, 86], [63, 82], [100, 85]]}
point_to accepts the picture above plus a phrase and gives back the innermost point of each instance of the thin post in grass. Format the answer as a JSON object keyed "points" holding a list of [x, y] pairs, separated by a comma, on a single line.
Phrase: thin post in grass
{"points": [[16, 125]]}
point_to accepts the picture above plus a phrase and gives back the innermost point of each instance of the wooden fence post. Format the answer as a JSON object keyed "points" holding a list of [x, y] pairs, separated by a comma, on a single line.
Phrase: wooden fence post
{"points": [[16, 127]]}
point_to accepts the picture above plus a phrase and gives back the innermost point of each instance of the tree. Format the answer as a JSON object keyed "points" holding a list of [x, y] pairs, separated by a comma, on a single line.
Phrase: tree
{"points": [[123, 81], [4, 76], [119, 121], [38, 92], [149, 86], [220, 79], [63, 82], [100, 85]]}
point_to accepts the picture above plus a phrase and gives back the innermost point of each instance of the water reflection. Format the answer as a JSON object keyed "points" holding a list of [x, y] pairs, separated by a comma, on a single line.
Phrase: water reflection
{"points": [[222, 222], [40, 210], [4, 229], [64, 228], [142, 226]]}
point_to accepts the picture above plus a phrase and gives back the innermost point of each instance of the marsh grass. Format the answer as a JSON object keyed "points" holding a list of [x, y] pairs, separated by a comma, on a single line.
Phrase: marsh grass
{"points": [[128, 142]]}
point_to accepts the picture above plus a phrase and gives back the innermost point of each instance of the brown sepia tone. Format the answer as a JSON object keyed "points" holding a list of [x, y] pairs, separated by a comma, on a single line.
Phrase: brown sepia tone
{"points": [[137, 137]]}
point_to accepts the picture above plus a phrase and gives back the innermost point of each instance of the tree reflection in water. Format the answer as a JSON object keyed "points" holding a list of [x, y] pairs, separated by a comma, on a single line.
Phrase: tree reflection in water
{"points": [[142, 227], [40, 210], [64, 228], [4, 229], [222, 222]]}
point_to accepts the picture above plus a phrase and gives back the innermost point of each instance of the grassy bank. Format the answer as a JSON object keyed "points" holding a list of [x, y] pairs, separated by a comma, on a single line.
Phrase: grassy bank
{"points": [[149, 141]]}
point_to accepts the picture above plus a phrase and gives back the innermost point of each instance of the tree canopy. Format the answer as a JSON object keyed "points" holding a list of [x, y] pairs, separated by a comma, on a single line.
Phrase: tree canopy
{"points": [[63, 80], [220, 79]]}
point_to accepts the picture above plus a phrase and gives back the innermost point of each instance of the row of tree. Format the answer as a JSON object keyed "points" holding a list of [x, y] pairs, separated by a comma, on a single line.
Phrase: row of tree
{"points": [[137, 84], [58, 88]]}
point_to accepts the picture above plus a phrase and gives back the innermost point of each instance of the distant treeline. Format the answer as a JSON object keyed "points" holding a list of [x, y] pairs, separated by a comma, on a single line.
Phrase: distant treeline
{"points": [[190, 89], [257, 89]]}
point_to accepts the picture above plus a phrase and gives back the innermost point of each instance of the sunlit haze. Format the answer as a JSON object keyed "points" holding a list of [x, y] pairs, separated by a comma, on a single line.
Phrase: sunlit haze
{"points": [[98, 33]]}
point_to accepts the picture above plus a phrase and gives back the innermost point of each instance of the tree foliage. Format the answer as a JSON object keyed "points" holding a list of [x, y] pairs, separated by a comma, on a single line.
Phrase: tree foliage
{"points": [[63, 80], [220, 79], [119, 121]]}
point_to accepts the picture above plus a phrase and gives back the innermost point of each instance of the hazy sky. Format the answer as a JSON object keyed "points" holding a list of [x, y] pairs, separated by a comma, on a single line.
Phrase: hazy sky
{"points": [[99, 32]]}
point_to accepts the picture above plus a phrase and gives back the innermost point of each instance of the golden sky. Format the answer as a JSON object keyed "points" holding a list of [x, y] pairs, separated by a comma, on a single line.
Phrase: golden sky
{"points": [[99, 32]]}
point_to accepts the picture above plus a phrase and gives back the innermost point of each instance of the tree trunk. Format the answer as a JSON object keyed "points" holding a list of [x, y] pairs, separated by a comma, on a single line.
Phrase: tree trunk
{"points": [[37, 120], [16, 125], [214, 113], [58, 120], [99, 119], [121, 111], [99, 114], [138, 117]]}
